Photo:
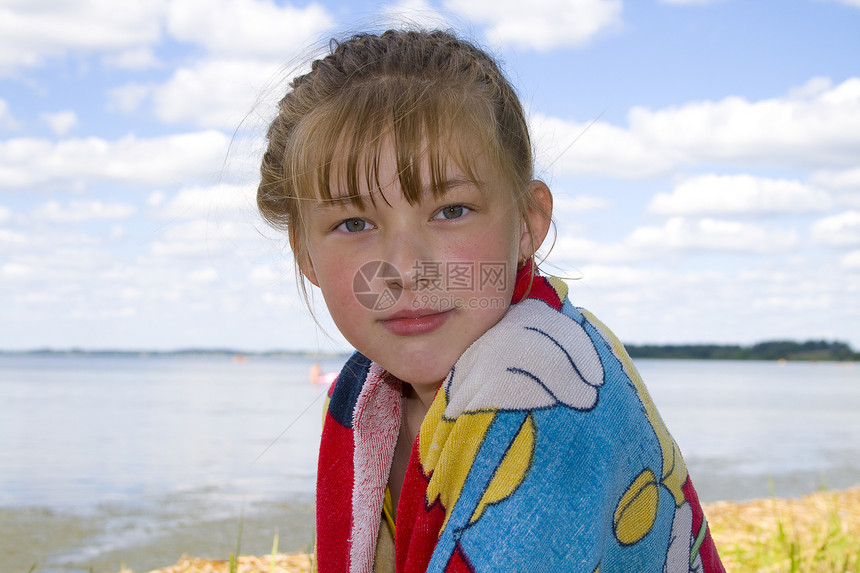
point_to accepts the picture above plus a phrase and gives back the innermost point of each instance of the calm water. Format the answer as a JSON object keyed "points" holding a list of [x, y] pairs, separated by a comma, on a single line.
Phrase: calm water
{"points": [[106, 462]]}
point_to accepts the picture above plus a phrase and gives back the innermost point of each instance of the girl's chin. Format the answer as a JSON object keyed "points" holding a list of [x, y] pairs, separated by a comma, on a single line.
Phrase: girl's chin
{"points": [[418, 363], [424, 377]]}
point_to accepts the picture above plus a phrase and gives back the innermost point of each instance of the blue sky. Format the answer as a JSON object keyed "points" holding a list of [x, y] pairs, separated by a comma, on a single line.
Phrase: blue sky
{"points": [[704, 156]]}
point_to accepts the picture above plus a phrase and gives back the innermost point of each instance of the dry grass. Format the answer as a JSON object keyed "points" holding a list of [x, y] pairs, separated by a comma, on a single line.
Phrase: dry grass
{"points": [[246, 564], [815, 534]]}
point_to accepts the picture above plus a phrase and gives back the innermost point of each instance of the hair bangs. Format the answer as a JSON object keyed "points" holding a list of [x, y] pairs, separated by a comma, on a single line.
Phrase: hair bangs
{"points": [[338, 149]]}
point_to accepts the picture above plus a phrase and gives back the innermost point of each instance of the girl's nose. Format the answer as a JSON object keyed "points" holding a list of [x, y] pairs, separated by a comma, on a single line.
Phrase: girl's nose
{"points": [[421, 275], [413, 259], [411, 275]]}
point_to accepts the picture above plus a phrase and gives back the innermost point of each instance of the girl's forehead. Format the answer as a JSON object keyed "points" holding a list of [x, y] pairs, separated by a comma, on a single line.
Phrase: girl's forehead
{"points": [[417, 173]]}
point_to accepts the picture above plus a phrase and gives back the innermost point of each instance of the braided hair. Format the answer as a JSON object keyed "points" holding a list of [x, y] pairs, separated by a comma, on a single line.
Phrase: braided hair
{"points": [[436, 97]]}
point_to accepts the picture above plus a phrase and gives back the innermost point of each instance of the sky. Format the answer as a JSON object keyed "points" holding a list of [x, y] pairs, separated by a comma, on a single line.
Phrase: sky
{"points": [[704, 158]]}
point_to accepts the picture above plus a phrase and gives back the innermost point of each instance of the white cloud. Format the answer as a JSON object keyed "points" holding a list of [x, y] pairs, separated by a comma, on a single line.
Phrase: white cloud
{"points": [[269, 276], [713, 235], [413, 13], [247, 28], [854, 3], [739, 194], [217, 93], [156, 199], [206, 275], [817, 303], [168, 160], [596, 149], [13, 271], [125, 31], [848, 200], [7, 121], [127, 98], [840, 179], [851, 260], [844, 183], [61, 280], [206, 202], [117, 232], [31, 32], [689, 2], [578, 250], [543, 24], [839, 230], [246, 44], [577, 204], [45, 242], [76, 211], [202, 238], [134, 59], [678, 234], [263, 275], [815, 126], [617, 276], [653, 303], [61, 122], [11, 239], [5, 214]]}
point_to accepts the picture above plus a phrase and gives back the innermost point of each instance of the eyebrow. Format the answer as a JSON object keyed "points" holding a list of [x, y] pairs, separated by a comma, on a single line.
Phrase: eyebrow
{"points": [[448, 185], [334, 203], [444, 188]]}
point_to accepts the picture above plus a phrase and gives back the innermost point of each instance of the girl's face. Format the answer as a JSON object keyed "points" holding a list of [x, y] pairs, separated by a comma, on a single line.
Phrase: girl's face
{"points": [[412, 286]]}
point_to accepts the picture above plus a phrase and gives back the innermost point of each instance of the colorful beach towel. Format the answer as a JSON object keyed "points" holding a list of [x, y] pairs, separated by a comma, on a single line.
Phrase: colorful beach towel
{"points": [[542, 451]]}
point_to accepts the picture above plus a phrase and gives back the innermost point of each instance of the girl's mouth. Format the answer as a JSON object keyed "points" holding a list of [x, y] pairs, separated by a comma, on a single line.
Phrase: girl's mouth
{"points": [[414, 322]]}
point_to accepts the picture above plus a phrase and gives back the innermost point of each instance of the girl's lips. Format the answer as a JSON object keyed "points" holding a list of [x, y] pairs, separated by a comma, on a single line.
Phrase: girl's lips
{"points": [[410, 323]]}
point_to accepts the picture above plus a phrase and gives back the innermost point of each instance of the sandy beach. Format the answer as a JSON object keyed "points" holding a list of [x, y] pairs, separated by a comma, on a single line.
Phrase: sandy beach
{"points": [[818, 532]]}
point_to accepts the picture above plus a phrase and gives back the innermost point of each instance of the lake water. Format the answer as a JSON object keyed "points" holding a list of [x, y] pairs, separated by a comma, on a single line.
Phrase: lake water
{"points": [[132, 461]]}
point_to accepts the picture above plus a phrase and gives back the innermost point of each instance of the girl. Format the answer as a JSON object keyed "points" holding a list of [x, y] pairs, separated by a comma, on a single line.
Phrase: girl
{"points": [[484, 423]]}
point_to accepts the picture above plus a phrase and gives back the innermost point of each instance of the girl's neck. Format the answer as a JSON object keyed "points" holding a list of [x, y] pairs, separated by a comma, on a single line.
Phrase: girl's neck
{"points": [[416, 403], [424, 394]]}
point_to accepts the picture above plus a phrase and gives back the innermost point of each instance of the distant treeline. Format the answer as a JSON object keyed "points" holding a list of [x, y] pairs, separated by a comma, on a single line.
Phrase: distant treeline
{"points": [[771, 350], [217, 352]]}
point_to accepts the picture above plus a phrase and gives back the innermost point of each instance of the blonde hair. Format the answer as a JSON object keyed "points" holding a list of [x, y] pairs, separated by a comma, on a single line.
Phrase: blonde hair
{"points": [[434, 95]]}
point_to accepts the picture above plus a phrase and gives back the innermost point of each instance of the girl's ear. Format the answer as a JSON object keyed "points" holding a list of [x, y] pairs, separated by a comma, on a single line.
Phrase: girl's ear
{"points": [[303, 260], [539, 220], [307, 268]]}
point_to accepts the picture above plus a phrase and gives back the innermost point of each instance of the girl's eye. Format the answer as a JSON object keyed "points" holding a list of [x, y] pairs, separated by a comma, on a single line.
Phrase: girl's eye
{"points": [[353, 225], [452, 212]]}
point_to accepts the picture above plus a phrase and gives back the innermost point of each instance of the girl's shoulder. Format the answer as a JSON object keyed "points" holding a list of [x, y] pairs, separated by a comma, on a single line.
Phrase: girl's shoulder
{"points": [[346, 388]]}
